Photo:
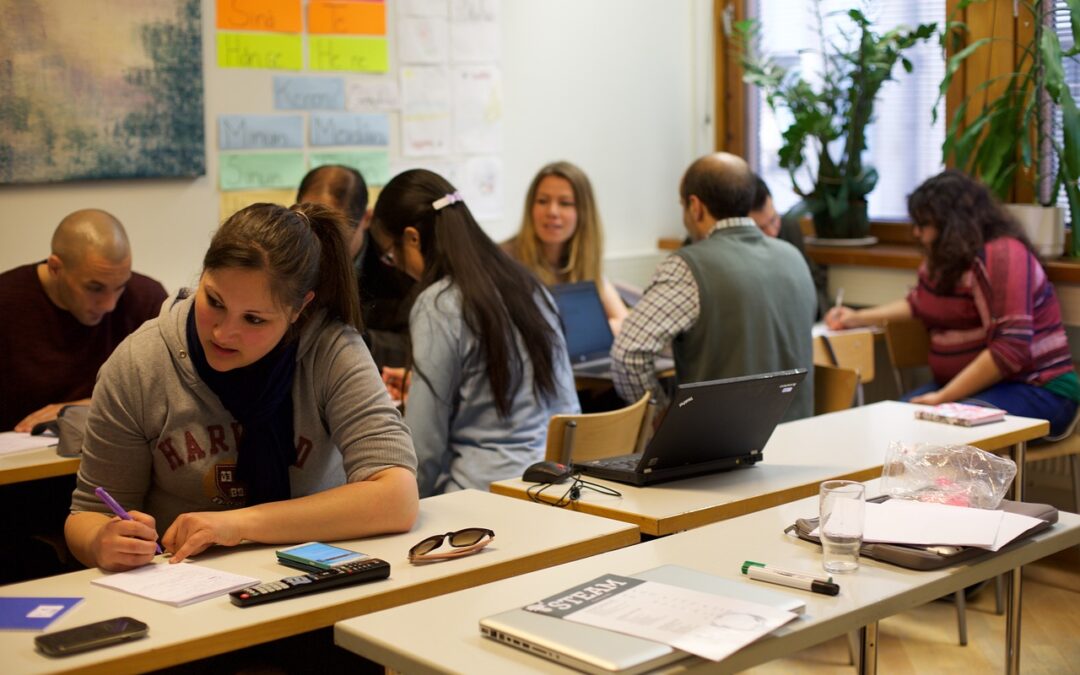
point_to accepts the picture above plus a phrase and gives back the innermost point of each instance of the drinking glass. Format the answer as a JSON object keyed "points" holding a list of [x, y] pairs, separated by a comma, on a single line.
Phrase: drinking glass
{"points": [[842, 504]]}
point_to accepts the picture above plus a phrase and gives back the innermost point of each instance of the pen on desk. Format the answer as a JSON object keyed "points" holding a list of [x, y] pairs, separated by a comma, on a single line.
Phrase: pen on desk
{"points": [[806, 582], [115, 507]]}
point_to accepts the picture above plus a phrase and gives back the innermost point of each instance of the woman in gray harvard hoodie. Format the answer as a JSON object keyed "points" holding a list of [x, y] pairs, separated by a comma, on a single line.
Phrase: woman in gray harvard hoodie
{"points": [[250, 409]]}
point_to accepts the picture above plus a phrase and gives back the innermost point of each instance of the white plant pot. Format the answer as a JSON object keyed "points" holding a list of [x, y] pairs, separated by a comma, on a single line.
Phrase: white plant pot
{"points": [[1044, 227]]}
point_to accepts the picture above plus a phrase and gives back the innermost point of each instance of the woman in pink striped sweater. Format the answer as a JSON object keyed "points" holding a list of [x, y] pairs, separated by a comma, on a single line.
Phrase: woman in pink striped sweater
{"points": [[993, 316]]}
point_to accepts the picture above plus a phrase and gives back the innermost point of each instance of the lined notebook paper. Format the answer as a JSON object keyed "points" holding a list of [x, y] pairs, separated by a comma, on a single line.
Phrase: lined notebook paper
{"points": [[178, 585]]}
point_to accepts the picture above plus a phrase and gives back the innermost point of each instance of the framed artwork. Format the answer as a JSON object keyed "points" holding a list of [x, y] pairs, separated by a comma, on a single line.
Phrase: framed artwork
{"points": [[99, 90]]}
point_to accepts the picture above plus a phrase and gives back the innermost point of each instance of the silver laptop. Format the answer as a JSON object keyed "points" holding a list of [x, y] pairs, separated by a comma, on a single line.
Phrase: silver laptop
{"points": [[588, 333], [596, 650]]}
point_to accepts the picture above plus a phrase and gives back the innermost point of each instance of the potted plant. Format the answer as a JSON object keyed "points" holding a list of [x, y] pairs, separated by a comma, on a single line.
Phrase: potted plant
{"points": [[1012, 133], [829, 113]]}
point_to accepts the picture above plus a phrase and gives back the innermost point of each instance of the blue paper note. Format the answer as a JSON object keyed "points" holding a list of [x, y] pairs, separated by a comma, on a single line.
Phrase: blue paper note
{"points": [[309, 93], [260, 132], [350, 129], [33, 613]]}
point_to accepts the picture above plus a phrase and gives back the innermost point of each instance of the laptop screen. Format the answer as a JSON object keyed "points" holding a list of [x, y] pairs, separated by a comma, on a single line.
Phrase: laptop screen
{"points": [[588, 335]]}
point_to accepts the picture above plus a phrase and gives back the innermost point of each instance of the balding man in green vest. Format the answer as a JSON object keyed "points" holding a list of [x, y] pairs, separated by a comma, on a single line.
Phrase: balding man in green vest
{"points": [[734, 302]]}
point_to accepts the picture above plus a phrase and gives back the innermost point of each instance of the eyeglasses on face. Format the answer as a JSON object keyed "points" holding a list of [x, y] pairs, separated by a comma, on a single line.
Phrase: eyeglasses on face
{"points": [[387, 258], [465, 542]]}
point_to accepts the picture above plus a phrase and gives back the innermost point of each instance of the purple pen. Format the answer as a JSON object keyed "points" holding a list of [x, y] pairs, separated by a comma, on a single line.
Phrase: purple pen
{"points": [[115, 507]]}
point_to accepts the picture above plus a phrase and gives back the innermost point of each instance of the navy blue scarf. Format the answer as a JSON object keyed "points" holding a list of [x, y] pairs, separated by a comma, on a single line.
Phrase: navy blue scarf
{"points": [[259, 396]]}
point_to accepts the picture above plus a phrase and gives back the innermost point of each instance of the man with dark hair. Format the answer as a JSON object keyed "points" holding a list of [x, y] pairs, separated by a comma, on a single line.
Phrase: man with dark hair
{"points": [[384, 290], [733, 303]]}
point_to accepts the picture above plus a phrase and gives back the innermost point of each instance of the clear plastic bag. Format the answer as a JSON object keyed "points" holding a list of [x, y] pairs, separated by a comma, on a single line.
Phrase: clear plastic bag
{"points": [[961, 475]]}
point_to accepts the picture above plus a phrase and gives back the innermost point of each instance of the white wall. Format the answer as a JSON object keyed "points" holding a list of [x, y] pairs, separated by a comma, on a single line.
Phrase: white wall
{"points": [[616, 86]]}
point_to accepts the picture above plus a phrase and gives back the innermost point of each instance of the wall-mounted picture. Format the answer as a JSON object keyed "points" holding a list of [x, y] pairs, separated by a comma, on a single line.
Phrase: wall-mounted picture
{"points": [[103, 89]]}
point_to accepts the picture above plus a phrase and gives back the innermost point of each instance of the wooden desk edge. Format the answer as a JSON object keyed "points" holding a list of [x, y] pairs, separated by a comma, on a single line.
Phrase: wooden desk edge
{"points": [[246, 636], [20, 474]]}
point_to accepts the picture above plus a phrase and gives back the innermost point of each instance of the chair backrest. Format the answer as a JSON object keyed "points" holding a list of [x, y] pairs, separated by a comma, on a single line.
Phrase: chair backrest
{"points": [[854, 349], [580, 438], [909, 347], [834, 388]]}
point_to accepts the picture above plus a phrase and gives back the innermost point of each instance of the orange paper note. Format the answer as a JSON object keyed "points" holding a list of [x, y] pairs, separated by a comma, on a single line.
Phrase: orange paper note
{"points": [[347, 18], [279, 16]]}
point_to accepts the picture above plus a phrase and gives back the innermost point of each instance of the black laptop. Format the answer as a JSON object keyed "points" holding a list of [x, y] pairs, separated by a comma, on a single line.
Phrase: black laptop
{"points": [[588, 333], [709, 427]]}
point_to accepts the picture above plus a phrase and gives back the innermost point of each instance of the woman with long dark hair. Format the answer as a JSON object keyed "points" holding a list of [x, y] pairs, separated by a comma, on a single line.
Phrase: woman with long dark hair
{"points": [[993, 317], [250, 409], [489, 358]]}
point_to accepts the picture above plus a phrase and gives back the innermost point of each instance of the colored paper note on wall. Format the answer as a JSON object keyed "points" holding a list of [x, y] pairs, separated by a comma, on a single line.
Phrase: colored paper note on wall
{"points": [[422, 39], [279, 16], [368, 92], [350, 129], [260, 50], [260, 170], [352, 54], [260, 132], [374, 165], [308, 93], [231, 202], [347, 18]]}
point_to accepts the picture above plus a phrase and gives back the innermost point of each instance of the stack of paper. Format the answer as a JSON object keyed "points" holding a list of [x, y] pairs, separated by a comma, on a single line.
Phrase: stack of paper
{"points": [[903, 521], [176, 584], [14, 441]]}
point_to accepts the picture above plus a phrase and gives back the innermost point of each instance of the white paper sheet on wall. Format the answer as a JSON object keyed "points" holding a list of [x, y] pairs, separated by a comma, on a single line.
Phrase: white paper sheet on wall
{"points": [[423, 39], [478, 109]]}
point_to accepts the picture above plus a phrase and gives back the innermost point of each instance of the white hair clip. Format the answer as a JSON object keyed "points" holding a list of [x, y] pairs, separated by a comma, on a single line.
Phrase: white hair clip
{"points": [[442, 202]]}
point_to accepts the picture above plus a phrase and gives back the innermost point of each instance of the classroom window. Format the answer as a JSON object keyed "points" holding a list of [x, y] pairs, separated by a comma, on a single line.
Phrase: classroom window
{"points": [[1063, 28], [903, 144]]}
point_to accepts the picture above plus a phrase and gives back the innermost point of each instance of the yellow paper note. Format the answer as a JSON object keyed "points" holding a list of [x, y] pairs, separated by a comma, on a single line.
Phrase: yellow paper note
{"points": [[352, 54], [259, 50], [231, 202]]}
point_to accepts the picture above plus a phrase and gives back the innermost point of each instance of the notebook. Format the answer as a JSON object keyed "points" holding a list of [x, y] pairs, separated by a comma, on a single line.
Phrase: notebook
{"points": [[961, 414], [709, 426], [177, 584], [596, 650], [588, 333]]}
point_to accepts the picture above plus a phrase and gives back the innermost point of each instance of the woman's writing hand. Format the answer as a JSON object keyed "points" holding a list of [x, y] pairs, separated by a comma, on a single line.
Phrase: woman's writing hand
{"points": [[839, 318], [126, 544]]}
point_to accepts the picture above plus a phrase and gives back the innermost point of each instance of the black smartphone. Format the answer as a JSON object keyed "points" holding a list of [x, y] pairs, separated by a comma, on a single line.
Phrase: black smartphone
{"points": [[91, 636]]}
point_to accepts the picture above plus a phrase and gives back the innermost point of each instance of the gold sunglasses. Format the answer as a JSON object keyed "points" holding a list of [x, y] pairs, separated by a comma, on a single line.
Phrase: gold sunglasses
{"points": [[465, 542]]}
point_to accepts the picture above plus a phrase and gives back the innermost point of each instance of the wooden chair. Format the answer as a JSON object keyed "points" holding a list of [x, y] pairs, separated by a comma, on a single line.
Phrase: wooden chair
{"points": [[909, 347], [853, 350], [580, 438], [834, 388]]}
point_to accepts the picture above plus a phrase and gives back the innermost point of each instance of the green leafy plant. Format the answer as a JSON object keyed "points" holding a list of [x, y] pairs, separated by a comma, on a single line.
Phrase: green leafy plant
{"points": [[829, 112], [1013, 129]]}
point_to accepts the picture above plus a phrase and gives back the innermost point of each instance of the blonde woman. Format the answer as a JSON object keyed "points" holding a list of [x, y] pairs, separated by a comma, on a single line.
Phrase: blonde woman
{"points": [[561, 236]]}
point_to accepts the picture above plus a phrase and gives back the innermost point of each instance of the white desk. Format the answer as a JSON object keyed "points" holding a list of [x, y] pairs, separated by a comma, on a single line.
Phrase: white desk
{"points": [[850, 444], [875, 591], [28, 465], [527, 537]]}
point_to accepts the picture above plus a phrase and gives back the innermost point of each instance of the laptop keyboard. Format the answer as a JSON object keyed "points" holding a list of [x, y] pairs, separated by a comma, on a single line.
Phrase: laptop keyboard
{"points": [[621, 462]]}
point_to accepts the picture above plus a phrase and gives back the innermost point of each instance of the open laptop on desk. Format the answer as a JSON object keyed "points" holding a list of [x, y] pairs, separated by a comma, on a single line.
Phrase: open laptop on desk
{"points": [[588, 333], [709, 427]]}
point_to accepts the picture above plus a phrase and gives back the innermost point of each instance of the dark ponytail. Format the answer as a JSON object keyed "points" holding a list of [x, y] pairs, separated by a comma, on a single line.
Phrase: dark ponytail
{"points": [[301, 249], [498, 295]]}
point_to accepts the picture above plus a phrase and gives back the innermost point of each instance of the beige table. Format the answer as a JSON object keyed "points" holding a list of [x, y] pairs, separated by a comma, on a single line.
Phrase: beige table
{"points": [[26, 465], [528, 537], [800, 455], [875, 591]]}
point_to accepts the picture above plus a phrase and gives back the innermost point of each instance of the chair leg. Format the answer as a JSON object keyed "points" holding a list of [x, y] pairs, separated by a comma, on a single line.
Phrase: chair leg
{"points": [[999, 594], [854, 648], [1074, 462], [961, 616]]}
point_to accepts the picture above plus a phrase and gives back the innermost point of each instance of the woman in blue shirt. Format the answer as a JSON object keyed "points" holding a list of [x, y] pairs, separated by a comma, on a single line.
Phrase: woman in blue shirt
{"points": [[488, 355]]}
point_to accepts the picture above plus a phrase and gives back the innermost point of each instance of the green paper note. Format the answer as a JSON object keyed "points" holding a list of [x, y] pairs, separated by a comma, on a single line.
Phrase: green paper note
{"points": [[260, 170], [373, 166]]}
